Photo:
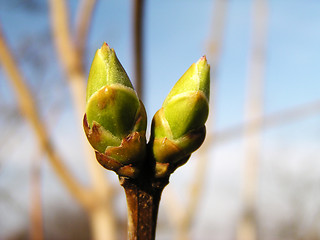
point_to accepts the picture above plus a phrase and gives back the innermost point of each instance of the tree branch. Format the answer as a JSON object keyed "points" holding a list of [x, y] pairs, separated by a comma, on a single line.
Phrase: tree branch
{"points": [[83, 22], [268, 121], [143, 198], [36, 222], [103, 220], [29, 110], [62, 36], [247, 226], [138, 8], [214, 51]]}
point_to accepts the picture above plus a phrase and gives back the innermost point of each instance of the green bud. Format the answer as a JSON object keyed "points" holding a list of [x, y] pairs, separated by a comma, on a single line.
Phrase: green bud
{"points": [[115, 119], [106, 70], [178, 127]]}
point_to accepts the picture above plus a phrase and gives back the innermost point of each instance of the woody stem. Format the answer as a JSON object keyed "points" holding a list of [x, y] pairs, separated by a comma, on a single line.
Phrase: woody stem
{"points": [[143, 197]]}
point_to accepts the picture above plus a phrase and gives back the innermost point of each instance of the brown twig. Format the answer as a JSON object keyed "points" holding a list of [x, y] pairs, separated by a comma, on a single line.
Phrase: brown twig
{"points": [[143, 198], [138, 8]]}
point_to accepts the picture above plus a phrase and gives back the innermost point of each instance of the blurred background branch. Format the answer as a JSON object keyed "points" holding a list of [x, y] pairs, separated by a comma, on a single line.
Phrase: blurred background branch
{"points": [[36, 214], [29, 110], [82, 26], [138, 43], [184, 216], [257, 171], [103, 220], [247, 227], [269, 121]]}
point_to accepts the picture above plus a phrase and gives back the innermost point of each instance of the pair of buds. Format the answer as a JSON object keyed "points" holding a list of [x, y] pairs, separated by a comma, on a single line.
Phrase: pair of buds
{"points": [[115, 121]]}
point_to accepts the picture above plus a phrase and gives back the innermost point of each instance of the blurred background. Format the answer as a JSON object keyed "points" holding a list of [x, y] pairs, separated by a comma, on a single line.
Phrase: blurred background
{"points": [[257, 176]]}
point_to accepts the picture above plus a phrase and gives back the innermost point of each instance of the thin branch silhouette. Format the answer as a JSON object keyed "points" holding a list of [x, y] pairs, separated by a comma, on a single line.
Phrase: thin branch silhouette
{"points": [[138, 16]]}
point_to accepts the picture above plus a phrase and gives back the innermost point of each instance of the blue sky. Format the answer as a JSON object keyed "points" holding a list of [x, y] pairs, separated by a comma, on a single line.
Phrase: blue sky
{"points": [[176, 35]]}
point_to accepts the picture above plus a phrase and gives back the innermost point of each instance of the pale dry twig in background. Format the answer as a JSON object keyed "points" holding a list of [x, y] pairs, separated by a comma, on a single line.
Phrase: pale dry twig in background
{"points": [[36, 219], [183, 217], [272, 120], [103, 220], [247, 226], [29, 110], [82, 27]]}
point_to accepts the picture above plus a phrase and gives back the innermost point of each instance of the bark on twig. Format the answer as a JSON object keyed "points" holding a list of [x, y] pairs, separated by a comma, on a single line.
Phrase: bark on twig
{"points": [[138, 8], [143, 198]]}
